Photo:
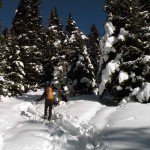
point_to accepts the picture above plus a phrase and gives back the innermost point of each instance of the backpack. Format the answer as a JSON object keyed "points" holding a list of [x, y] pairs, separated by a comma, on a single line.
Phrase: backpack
{"points": [[49, 94]]}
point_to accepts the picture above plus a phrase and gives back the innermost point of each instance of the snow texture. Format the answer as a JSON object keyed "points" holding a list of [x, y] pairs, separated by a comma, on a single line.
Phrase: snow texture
{"points": [[146, 58], [109, 29], [123, 76], [80, 124], [1, 142], [143, 94], [122, 34], [106, 74]]}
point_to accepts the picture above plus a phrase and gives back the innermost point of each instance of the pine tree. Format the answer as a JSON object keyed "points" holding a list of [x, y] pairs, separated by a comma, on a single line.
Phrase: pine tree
{"points": [[3, 81], [81, 71], [55, 36], [145, 9], [125, 59], [71, 30], [14, 67], [93, 47], [55, 52], [27, 29], [3, 89], [70, 26]]}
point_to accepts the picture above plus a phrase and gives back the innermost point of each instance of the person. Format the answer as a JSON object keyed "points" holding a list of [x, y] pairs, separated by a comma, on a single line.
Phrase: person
{"points": [[50, 100]]}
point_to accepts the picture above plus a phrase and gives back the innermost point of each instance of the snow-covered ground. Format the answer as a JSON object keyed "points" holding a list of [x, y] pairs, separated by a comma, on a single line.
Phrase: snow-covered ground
{"points": [[80, 124]]}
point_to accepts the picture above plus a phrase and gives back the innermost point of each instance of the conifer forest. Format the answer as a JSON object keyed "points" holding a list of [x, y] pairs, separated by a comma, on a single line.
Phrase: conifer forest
{"points": [[115, 63]]}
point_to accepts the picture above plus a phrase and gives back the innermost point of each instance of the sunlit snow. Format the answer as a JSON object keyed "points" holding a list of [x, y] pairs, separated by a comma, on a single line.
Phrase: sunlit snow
{"points": [[80, 124]]}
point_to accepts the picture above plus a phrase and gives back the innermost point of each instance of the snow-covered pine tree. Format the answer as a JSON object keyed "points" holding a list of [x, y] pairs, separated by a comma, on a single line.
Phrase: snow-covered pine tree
{"points": [[70, 30], [56, 53], [80, 71], [70, 26], [125, 59], [3, 82], [145, 9], [55, 36], [27, 30], [94, 47], [13, 80]]}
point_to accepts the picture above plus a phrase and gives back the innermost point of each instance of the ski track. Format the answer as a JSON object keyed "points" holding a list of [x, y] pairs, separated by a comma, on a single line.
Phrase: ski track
{"points": [[63, 132], [105, 113]]}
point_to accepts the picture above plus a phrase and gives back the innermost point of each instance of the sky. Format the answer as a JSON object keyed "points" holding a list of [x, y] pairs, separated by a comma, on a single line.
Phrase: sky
{"points": [[84, 12]]}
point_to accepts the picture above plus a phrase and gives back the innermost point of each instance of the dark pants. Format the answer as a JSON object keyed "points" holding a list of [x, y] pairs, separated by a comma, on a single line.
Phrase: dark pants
{"points": [[48, 106]]}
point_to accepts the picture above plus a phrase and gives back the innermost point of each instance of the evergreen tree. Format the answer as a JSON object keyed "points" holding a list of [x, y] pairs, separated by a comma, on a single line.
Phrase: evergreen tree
{"points": [[55, 36], [125, 59], [71, 26], [70, 31], [28, 33], [145, 9], [3, 89], [81, 70], [13, 67], [3, 81], [55, 65], [93, 47]]}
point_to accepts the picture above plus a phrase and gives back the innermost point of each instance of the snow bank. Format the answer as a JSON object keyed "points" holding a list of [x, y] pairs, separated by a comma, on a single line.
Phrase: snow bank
{"points": [[124, 127], [66, 132]]}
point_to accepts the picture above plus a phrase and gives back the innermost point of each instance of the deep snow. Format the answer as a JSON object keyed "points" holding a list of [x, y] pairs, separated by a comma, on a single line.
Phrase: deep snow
{"points": [[80, 124]]}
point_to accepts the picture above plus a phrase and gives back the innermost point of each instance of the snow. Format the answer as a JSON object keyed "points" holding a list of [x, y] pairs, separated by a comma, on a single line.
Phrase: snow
{"points": [[1, 78], [144, 93], [111, 67], [123, 76], [19, 63], [57, 43], [108, 44], [80, 124], [16, 11], [72, 38], [109, 28], [83, 36], [65, 88], [122, 33], [1, 142], [146, 58], [26, 47]]}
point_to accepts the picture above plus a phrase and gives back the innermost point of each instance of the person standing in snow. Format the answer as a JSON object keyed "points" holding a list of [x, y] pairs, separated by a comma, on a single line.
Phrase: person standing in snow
{"points": [[50, 99]]}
